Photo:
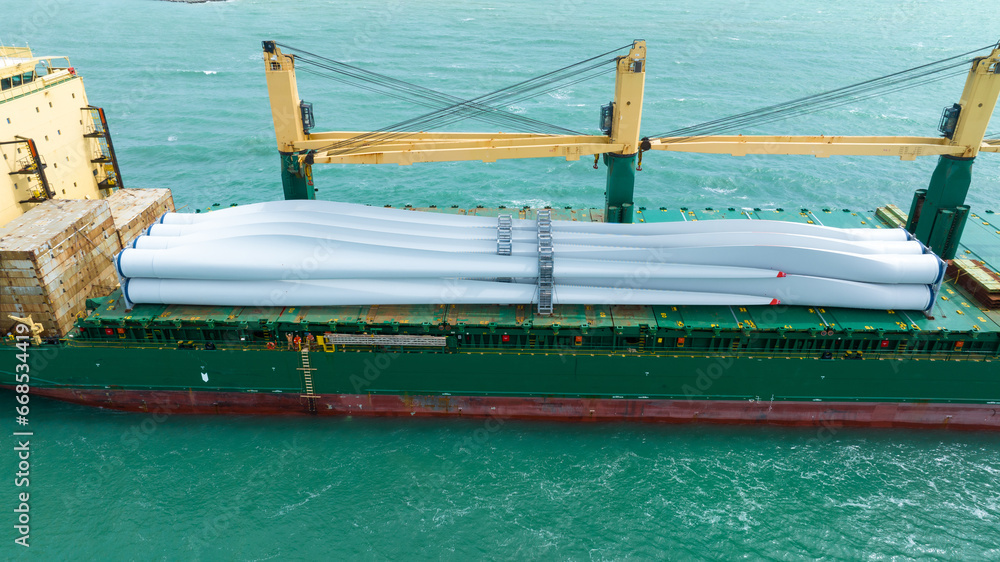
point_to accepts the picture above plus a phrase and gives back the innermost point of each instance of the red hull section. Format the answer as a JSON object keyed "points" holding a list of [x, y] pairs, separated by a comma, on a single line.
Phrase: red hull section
{"points": [[787, 413]]}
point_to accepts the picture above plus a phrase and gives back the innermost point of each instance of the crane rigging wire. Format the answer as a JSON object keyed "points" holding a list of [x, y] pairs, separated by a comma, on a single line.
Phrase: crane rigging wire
{"points": [[413, 93], [601, 72], [429, 121], [545, 128], [496, 118], [889, 83], [385, 81], [490, 106], [813, 109], [793, 109], [842, 92], [455, 112], [364, 75]]}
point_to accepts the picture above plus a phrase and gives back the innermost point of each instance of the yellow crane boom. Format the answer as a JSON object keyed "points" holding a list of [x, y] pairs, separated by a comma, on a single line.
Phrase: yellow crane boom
{"points": [[821, 146]]}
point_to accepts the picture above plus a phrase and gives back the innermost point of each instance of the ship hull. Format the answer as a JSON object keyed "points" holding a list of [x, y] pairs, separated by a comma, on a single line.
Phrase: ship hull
{"points": [[781, 413], [754, 389]]}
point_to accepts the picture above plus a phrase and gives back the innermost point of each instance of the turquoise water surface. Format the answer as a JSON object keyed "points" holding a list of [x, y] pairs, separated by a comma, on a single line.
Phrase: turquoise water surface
{"points": [[185, 96]]}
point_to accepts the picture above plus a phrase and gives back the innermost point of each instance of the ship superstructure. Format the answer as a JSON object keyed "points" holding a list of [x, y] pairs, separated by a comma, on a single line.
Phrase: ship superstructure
{"points": [[55, 145], [64, 212]]}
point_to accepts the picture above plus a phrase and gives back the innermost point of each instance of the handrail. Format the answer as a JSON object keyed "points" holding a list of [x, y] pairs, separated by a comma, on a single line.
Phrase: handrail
{"points": [[36, 85]]}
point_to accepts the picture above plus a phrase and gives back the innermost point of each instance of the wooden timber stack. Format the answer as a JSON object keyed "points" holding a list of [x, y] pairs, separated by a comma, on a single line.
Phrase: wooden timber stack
{"points": [[977, 278], [60, 253], [135, 209], [54, 257]]}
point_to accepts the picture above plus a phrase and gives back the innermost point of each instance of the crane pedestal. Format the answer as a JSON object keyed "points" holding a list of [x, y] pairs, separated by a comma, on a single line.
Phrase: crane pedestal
{"points": [[296, 178], [620, 188], [938, 213]]}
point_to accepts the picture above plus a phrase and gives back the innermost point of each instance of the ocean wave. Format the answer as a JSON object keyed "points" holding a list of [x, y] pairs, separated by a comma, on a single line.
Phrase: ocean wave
{"points": [[533, 203]]}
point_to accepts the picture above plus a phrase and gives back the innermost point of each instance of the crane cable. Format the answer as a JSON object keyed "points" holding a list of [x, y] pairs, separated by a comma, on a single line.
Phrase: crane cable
{"points": [[848, 93], [499, 107], [814, 109], [497, 118], [445, 116], [867, 89], [413, 93], [364, 75], [490, 104], [489, 107], [797, 108]]}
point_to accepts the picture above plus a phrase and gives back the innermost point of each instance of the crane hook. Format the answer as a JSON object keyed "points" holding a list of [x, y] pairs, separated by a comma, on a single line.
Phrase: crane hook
{"points": [[643, 147], [596, 158]]}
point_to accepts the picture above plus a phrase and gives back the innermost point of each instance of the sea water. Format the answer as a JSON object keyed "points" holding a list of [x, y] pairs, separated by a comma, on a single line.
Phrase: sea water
{"points": [[187, 106]]}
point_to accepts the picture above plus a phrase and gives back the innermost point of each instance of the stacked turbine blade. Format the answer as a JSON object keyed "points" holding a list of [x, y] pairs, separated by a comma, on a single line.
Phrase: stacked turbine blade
{"points": [[314, 253]]}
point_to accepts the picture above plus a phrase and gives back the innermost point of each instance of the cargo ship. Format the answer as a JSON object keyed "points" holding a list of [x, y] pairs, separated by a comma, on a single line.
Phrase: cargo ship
{"points": [[750, 359]]}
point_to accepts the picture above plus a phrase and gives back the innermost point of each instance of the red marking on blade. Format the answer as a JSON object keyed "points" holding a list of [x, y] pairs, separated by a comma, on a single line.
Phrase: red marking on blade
{"points": [[775, 301], [782, 274]]}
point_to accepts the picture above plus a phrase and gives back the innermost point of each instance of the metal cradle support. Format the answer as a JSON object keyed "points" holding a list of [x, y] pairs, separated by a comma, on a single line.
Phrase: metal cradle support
{"points": [[505, 245], [505, 227], [544, 262]]}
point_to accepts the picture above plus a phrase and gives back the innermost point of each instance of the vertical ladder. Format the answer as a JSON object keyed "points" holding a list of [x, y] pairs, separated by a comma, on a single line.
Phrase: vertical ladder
{"points": [[307, 370], [33, 167], [104, 155]]}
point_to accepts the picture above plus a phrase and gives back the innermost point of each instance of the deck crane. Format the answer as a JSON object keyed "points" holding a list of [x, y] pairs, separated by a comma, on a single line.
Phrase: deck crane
{"points": [[937, 215]]}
